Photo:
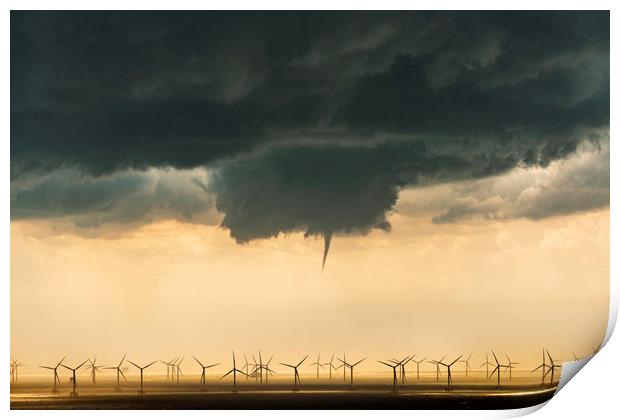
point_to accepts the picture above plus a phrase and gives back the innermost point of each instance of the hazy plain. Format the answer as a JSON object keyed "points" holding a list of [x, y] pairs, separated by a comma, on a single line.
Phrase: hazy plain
{"points": [[370, 390]]}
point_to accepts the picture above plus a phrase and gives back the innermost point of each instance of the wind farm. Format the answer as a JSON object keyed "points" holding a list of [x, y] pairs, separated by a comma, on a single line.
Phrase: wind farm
{"points": [[380, 384]]}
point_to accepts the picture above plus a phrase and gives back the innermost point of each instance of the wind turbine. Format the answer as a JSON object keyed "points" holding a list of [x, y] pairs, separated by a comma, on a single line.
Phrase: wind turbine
{"points": [[256, 368], [318, 365], [401, 364], [331, 365], [394, 380], [173, 368], [551, 368], [246, 367], [418, 366], [142, 374], [436, 363], [510, 365], [268, 370], [234, 371], [343, 366], [294, 367], [56, 377], [168, 365], [467, 366], [542, 366], [14, 365], [203, 377], [351, 366], [177, 365], [119, 373], [497, 369], [93, 369], [73, 379], [486, 363], [259, 366], [449, 366]]}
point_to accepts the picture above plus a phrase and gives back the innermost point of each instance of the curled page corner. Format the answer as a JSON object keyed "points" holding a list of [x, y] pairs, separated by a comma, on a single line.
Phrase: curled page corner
{"points": [[570, 369]]}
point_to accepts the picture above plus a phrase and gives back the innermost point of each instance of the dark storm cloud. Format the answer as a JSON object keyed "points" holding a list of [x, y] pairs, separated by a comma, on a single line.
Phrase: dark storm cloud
{"points": [[106, 90], [577, 184], [127, 197], [328, 114], [323, 189]]}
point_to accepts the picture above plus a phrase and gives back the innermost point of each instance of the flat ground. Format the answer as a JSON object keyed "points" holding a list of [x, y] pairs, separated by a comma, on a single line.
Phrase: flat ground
{"points": [[162, 395]]}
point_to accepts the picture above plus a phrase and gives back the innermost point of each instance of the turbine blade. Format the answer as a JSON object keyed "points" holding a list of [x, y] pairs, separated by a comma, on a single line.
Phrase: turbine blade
{"points": [[201, 365], [549, 356], [302, 360]]}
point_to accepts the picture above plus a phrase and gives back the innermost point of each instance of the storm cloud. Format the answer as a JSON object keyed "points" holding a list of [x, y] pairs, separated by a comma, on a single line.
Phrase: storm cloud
{"points": [[578, 183], [107, 90], [327, 189], [127, 197], [308, 121]]}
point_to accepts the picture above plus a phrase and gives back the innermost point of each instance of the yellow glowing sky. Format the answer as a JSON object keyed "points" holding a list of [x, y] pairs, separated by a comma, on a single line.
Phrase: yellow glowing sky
{"points": [[170, 288]]}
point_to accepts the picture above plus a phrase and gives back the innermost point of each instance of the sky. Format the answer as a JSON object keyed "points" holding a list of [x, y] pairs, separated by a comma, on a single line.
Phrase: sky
{"points": [[178, 181]]}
